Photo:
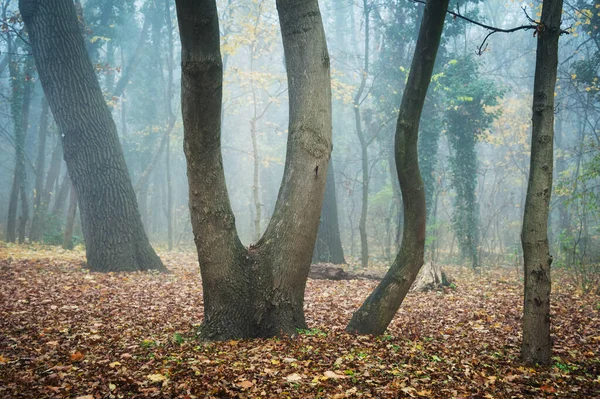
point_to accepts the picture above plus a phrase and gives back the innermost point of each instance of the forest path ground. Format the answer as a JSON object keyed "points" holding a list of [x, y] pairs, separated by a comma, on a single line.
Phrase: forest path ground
{"points": [[67, 333]]}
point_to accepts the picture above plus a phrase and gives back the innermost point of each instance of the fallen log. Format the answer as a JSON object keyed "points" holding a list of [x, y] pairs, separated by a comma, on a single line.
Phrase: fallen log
{"points": [[327, 271]]}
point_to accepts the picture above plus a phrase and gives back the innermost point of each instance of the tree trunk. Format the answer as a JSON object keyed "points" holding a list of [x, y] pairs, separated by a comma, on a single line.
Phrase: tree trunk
{"points": [[328, 248], [61, 197], [40, 165], [170, 123], [112, 227], [68, 238], [379, 308], [259, 291], [37, 226], [364, 148], [537, 345], [25, 106], [15, 110]]}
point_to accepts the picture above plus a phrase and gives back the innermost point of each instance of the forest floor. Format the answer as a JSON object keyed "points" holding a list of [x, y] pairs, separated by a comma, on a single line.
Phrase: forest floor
{"points": [[68, 333]]}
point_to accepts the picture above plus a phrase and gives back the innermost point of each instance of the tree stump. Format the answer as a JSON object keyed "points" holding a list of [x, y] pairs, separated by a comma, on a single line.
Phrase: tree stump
{"points": [[430, 278]]}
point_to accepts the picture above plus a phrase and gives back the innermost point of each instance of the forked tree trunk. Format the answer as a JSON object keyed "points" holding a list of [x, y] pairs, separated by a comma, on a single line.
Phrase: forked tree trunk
{"points": [[379, 308], [328, 248], [112, 227], [537, 345], [259, 291]]}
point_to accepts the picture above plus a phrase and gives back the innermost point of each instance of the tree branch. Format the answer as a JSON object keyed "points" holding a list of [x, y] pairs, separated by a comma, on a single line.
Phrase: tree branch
{"points": [[538, 26]]}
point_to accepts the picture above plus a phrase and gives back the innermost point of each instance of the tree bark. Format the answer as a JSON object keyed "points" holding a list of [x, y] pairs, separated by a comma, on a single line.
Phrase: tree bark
{"points": [[537, 344], [258, 291], [328, 248], [379, 308], [112, 227]]}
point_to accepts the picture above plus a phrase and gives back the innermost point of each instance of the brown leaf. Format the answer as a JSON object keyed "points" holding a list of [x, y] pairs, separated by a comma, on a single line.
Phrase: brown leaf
{"points": [[245, 384]]}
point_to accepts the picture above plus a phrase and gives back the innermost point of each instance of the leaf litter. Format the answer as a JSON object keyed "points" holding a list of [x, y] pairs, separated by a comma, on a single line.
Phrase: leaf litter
{"points": [[69, 333]]}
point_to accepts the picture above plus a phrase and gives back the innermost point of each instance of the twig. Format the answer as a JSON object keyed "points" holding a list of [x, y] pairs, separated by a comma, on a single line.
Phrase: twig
{"points": [[538, 26]]}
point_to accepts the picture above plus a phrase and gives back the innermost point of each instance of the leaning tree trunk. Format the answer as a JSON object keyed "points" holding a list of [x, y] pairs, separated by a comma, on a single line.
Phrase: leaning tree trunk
{"points": [[328, 248], [379, 308], [112, 227], [537, 345], [258, 291]]}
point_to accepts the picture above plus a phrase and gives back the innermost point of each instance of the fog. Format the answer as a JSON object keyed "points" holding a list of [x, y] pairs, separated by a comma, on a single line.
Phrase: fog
{"points": [[474, 134]]}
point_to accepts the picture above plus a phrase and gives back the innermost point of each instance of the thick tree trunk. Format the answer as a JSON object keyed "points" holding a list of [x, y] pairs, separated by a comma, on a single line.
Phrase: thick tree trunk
{"points": [[112, 227], [537, 344], [328, 248], [379, 308], [259, 291]]}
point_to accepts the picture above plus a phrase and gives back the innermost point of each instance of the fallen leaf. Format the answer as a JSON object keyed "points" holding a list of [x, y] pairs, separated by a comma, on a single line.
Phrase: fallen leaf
{"points": [[293, 377], [245, 384], [333, 375], [77, 356], [156, 377]]}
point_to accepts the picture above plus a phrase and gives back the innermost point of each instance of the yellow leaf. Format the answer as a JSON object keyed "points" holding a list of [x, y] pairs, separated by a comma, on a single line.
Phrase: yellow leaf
{"points": [[156, 377]]}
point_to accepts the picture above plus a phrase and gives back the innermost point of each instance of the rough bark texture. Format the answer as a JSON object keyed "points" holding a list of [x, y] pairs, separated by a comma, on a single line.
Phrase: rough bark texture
{"points": [[537, 344], [328, 248], [379, 308], [111, 224], [259, 291]]}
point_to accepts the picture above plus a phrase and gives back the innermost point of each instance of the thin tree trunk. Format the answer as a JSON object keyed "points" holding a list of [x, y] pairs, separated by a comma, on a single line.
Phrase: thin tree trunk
{"points": [[61, 197], [112, 227], [171, 122], [259, 291], [37, 227], [328, 248], [15, 110], [256, 178], [40, 165], [25, 106], [364, 148], [537, 344], [68, 237], [379, 308]]}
